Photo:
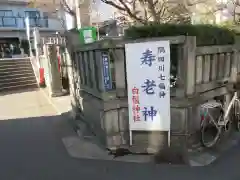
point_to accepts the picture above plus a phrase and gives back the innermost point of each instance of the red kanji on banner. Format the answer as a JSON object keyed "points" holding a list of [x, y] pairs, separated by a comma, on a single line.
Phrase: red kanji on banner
{"points": [[136, 108]]}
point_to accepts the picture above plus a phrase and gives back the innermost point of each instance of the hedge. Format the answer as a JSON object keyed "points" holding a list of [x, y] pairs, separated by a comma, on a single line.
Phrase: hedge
{"points": [[206, 35]]}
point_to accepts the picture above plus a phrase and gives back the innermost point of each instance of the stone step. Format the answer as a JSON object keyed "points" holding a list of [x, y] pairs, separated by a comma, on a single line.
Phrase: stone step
{"points": [[5, 66], [18, 87], [12, 62], [17, 83], [15, 68], [16, 79], [18, 71], [17, 75]]}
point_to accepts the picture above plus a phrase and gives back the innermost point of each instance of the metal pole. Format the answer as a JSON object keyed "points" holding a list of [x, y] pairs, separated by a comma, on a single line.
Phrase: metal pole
{"points": [[27, 24], [98, 33]]}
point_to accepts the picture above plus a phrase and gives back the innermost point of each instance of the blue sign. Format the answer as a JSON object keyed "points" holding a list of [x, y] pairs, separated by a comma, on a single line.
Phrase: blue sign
{"points": [[106, 72]]}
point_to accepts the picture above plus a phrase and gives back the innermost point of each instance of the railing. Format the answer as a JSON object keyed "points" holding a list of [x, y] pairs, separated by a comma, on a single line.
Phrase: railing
{"points": [[89, 65], [193, 69], [213, 65], [38, 22], [19, 22]]}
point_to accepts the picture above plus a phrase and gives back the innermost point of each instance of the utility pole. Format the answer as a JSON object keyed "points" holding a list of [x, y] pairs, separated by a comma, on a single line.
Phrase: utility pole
{"points": [[98, 21], [78, 13]]}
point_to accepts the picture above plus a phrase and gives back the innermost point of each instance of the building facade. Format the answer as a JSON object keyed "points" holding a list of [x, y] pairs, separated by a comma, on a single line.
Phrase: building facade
{"points": [[12, 20]]}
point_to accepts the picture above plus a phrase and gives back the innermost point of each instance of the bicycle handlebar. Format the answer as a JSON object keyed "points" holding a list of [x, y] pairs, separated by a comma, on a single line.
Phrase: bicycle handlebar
{"points": [[222, 82]]}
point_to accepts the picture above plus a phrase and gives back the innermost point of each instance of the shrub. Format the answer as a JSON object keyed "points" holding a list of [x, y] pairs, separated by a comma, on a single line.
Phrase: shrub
{"points": [[205, 34]]}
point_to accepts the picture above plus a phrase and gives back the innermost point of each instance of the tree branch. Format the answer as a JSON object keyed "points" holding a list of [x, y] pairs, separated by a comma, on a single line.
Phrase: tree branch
{"points": [[67, 8], [124, 7], [159, 10]]}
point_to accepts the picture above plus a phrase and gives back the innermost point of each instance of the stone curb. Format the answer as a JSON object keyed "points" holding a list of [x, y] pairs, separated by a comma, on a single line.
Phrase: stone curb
{"points": [[85, 145], [209, 156]]}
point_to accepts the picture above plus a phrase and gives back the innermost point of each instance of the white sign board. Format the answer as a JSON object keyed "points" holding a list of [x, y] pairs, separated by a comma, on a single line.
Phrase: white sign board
{"points": [[87, 34], [148, 79]]}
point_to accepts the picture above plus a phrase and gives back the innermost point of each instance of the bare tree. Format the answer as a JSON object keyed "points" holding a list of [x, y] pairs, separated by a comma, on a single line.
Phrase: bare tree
{"points": [[52, 8], [70, 9], [84, 7], [233, 8], [161, 11]]}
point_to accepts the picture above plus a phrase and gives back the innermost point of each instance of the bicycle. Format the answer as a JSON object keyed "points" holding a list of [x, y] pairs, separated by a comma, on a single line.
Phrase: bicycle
{"points": [[221, 123]]}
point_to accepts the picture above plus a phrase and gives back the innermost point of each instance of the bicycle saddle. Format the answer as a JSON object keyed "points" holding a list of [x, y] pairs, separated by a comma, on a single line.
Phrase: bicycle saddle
{"points": [[211, 104]]}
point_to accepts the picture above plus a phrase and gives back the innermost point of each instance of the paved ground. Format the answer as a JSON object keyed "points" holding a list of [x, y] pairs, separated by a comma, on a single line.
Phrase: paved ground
{"points": [[31, 148]]}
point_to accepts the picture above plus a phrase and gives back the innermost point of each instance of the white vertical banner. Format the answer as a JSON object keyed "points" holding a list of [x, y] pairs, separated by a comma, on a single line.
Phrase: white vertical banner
{"points": [[148, 79]]}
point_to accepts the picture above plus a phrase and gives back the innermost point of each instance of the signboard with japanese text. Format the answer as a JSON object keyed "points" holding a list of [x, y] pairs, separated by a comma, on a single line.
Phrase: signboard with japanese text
{"points": [[148, 79], [106, 72]]}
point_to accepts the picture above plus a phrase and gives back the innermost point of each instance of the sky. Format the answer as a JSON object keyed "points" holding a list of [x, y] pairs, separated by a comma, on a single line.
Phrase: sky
{"points": [[105, 12]]}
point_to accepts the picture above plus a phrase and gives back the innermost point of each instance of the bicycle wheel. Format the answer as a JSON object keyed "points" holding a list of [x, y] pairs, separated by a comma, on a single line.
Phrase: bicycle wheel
{"points": [[210, 134], [236, 115]]}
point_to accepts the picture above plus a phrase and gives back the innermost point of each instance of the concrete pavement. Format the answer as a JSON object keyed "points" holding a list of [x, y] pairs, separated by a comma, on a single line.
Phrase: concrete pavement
{"points": [[21, 104], [31, 148]]}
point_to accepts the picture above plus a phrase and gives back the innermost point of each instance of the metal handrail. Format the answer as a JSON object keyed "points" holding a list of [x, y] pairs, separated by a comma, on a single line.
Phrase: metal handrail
{"points": [[6, 23]]}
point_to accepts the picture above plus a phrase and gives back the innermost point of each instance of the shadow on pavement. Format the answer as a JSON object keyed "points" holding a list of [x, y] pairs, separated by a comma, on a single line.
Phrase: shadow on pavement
{"points": [[32, 149]]}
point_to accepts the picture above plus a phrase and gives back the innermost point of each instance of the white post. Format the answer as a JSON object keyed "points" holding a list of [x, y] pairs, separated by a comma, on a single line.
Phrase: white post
{"points": [[27, 24], [36, 37], [98, 21], [78, 14]]}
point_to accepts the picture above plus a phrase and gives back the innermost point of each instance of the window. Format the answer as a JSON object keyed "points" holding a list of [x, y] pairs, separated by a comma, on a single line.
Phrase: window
{"points": [[45, 19], [7, 19], [45, 15], [32, 14], [34, 18], [6, 13], [1, 13]]}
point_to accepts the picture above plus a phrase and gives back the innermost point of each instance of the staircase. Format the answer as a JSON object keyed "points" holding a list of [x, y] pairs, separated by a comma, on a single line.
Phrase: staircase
{"points": [[16, 74]]}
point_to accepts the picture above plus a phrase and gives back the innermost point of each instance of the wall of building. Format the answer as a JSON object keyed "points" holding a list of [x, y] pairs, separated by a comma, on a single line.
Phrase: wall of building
{"points": [[22, 34], [12, 16]]}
